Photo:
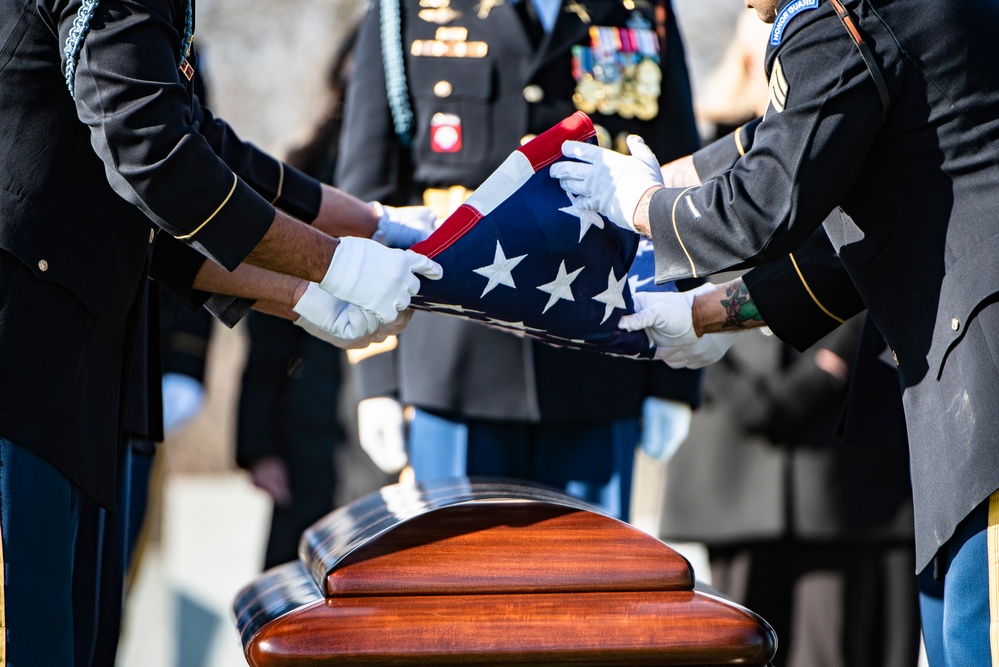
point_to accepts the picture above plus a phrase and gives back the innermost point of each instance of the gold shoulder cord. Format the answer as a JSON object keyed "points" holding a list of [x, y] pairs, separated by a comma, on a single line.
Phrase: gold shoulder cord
{"points": [[811, 293]]}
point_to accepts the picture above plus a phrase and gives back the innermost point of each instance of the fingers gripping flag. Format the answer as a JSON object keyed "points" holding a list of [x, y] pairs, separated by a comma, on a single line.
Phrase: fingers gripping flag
{"points": [[518, 255]]}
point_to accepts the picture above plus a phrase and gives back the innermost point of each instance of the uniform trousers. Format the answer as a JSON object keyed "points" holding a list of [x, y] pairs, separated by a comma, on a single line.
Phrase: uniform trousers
{"points": [[592, 462], [961, 612], [64, 562]]}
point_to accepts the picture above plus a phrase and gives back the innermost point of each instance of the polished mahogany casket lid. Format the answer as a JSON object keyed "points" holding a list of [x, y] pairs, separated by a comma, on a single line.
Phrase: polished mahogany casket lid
{"points": [[488, 572]]}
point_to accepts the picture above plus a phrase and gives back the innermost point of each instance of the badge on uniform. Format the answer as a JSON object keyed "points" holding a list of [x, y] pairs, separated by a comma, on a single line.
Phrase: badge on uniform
{"points": [[619, 72], [445, 133], [779, 87]]}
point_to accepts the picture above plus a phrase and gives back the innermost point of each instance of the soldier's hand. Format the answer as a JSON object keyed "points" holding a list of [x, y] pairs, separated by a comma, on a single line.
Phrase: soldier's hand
{"points": [[608, 182], [404, 226], [337, 322], [708, 349], [380, 430], [380, 280], [665, 316]]}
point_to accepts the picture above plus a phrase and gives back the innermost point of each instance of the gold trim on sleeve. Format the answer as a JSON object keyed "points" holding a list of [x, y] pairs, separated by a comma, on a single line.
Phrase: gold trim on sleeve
{"points": [[811, 293], [738, 141], [235, 180], [676, 231], [280, 187]]}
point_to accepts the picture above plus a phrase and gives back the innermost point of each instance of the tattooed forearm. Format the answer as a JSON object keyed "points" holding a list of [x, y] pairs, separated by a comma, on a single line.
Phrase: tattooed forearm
{"points": [[740, 311]]}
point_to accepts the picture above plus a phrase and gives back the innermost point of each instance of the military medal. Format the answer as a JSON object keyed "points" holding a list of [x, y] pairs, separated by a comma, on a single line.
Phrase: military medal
{"points": [[619, 73]]}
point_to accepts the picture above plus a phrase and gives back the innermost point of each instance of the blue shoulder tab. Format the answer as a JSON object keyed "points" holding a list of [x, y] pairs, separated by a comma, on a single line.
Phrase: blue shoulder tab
{"points": [[785, 16]]}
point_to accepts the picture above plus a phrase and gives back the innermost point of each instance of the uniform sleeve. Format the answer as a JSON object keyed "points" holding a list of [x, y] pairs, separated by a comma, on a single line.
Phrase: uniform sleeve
{"points": [[368, 164], [806, 294], [807, 153], [720, 156], [279, 183], [129, 91]]}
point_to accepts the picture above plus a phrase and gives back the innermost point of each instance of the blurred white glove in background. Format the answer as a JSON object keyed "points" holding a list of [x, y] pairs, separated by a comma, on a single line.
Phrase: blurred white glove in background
{"points": [[403, 226], [378, 279], [606, 181], [381, 431], [183, 397], [665, 425]]}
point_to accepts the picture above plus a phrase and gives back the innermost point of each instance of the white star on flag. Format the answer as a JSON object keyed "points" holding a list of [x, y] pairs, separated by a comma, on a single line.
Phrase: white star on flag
{"points": [[587, 219], [500, 271], [613, 296], [561, 287]]}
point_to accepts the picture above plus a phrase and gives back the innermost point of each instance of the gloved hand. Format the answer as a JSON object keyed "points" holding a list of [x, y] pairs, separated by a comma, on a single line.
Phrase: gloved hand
{"points": [[665, 425], [708, 349], [182, 399], [402, 227], [665, 316], [378, 279], [606, 181], [334, 321], [380, 431]]}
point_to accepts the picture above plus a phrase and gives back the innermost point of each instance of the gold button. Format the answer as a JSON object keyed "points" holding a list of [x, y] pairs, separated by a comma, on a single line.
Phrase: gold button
{"points": [[152, 235], [43, 265], [533, 93], [443, 89], [955, 323], [527, 137], [894, 357]]}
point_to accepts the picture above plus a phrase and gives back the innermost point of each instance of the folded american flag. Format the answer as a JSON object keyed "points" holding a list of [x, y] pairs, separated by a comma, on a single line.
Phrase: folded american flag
{"points": [[519, 256]]}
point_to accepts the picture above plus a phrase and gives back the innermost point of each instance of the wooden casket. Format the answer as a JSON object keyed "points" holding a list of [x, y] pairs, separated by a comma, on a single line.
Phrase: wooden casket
{"points": [[488, 572]]}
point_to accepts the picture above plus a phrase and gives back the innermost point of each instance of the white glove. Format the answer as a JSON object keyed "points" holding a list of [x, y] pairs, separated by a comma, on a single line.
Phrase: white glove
{"points": [[380, 431], [708, 349], [403, 227], [606, 181], [665, 316], [665, 425], [182, 399], [334, 321], [378, 279]]}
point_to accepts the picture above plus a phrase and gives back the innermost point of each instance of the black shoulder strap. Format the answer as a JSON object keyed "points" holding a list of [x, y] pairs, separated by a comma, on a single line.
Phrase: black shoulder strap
{"points": [[865, 53]]}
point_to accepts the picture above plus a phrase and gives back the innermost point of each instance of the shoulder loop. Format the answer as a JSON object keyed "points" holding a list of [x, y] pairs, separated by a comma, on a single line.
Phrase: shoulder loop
{"points": [[74, 42], [395, 72], [865, 53]]}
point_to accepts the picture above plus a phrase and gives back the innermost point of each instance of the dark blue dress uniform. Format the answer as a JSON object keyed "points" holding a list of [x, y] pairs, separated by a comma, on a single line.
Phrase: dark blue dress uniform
{"points": [[481, 78], [85, 183], [911, 162]]}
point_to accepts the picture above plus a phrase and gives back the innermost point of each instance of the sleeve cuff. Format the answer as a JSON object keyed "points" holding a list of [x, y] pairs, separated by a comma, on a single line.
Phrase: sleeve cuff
{"points": [[234, 229]]}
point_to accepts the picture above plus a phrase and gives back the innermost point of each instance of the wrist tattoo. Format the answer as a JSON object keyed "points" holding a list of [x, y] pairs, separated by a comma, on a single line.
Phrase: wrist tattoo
{"points": [[739, 308]]}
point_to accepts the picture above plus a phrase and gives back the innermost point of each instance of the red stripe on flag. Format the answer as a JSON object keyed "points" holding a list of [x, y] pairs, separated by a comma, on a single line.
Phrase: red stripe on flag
{"points": [[450, 231], [546, 148]]}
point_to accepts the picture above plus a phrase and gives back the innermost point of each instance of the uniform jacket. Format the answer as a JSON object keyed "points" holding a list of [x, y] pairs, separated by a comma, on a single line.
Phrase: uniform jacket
{"points": [[909, 193], [85, 183], [515, 91]]}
